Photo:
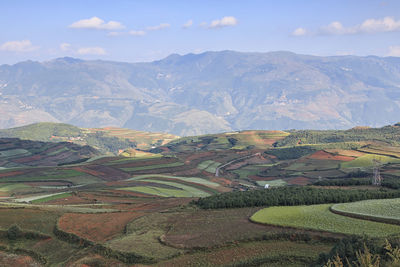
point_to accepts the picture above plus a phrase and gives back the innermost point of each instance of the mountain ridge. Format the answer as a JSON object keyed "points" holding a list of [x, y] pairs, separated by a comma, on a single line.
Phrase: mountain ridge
{"points": [[210, 92]]}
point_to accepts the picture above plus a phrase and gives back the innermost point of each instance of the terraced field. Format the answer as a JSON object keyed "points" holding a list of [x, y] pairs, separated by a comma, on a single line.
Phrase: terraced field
{"points": [[318, 217], [195, 180], [209, 166], [174, 189], [385, 210], [152, 167], [367, 161]]}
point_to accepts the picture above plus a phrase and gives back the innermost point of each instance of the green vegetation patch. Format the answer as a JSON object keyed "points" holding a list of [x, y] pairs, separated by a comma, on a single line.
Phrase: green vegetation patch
{"points": [[156, 166], [14, 152], [191, 190], [186, 179], [208, 166], [367, 161], [377, 208], [49, 198], [318, 217], [272, 183], [12, 187], [160, 191]]}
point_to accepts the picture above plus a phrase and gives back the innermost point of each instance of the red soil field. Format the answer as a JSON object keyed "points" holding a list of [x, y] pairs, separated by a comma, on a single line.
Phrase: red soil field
{"points": [[28, 159], [108, 173], [88, 171], [199, 155], [14, 173], [327, 156], [17, 260], [98, 227]]}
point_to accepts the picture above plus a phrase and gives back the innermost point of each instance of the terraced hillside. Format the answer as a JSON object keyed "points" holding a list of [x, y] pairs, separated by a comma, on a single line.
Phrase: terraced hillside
{"points": [[15, 152], [107, 140], [189, 201]]}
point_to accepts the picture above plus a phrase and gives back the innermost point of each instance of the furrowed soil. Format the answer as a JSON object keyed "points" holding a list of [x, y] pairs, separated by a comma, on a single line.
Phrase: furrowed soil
{"points": [[96, 227], [271, 253]]}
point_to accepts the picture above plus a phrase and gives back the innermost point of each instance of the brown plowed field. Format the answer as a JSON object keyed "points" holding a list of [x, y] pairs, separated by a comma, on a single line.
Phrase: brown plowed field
{"points": [[98, 227]]}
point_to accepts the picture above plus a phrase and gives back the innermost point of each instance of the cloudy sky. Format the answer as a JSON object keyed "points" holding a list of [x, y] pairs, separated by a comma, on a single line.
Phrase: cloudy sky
{"points": [[135, 31]]}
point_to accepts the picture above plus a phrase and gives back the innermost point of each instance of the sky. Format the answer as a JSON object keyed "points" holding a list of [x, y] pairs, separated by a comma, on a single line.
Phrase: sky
{"points": [[146, 30]]}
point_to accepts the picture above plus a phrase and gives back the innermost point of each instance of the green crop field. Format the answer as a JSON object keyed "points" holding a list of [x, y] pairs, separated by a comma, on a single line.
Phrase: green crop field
{"points": [[209, 166], [12, 187], [377, 208], [49, 198], [367, 161], [277, 182], [186, 179], [156, 166], [318, 217], [191, 190], [158, 191]]}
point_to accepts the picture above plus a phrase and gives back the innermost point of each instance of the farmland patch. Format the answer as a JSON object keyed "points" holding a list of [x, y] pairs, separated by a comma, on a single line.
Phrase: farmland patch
{"points": [[318, 217]]}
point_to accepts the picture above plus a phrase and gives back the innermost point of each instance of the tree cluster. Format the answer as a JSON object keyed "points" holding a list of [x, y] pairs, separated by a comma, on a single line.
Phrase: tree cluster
{"points": [[290, 196]]}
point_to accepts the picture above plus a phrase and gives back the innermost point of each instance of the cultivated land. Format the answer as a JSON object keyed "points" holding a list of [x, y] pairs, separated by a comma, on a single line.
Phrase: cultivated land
{"points": [[62, 204]]}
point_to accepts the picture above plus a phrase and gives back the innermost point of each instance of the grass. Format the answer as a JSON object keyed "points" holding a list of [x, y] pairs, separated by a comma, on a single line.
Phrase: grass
{"points": [[142, 237], [247, 171], [367, 161], [185, 179], [49, 198], [156, 166], [277, 182], [379, 208], [208, 166], [318, 217]]}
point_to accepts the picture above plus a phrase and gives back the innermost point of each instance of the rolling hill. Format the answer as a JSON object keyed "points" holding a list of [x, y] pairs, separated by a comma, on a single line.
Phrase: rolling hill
{"points": [[106, 140]]}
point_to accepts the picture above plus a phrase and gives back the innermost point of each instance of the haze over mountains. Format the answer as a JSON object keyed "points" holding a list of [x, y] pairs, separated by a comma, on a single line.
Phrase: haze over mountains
{"points": [[205, 93]]}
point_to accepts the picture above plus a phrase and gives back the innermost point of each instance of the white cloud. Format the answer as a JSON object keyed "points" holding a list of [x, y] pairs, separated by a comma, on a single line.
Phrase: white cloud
{"points": [[96, 23], [299, 32], [188, 24], [158, 27], [91, 51], [394, 51], [137, 33], [224, 22], [65, 47], [386, 24], [18, 46]]}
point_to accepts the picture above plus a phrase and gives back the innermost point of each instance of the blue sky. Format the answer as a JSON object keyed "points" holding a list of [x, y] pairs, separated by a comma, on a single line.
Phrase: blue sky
{"points": [[135, 31]]}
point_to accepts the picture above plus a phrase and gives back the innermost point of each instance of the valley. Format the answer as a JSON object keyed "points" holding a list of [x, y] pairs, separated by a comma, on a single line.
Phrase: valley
{"points": [[274, 198]]}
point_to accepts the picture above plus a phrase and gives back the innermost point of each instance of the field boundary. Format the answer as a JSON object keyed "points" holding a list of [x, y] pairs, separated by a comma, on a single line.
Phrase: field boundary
{"points": [[126, 257], [364, 216]]}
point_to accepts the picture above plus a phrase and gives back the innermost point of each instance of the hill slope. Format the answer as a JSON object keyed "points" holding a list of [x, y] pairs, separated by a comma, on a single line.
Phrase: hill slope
{"points": [[106, 140], [15, 152], [205, 93]]}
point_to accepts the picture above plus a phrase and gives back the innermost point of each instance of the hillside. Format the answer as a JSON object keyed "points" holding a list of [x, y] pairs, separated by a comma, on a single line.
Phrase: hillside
{"points": [[106, 140], [205, 93], [15, 152]]}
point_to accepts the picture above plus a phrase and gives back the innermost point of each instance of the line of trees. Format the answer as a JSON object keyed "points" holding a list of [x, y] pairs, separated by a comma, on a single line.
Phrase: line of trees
{"points": [[290, 196]]}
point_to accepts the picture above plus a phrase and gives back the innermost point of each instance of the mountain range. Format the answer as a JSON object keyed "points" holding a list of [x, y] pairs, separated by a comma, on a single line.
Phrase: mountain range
{"points": [[205, 93]]}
